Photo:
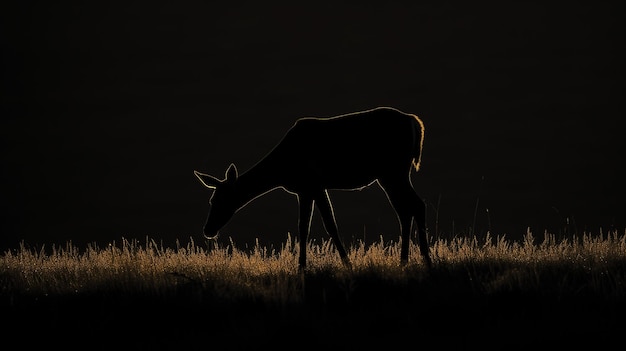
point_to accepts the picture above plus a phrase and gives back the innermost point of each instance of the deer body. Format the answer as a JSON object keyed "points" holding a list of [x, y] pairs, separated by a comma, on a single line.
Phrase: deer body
{"points": [[345, 152]]}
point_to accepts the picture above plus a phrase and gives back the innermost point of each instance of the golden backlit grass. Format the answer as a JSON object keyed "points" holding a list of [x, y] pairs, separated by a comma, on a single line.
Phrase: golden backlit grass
{"points": [[593, 265]]}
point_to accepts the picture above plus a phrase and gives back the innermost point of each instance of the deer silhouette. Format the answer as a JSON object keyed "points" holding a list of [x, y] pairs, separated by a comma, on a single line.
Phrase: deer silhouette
{"points": [[345, 152]]}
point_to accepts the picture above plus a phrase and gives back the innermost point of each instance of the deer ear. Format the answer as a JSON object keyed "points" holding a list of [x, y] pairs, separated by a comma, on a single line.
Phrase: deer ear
{"points": [[208, 181], [231, 173]]}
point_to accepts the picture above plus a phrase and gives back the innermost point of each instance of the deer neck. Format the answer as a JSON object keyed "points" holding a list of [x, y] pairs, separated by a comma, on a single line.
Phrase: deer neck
{"points": [[258, 180]]}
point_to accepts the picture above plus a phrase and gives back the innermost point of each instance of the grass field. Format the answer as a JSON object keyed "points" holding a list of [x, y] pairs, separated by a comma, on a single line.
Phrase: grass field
{"points": [[487, 292]]}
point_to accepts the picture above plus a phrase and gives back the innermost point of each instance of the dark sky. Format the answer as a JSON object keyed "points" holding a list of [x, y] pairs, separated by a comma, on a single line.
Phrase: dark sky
{"points": [[107, 110]]}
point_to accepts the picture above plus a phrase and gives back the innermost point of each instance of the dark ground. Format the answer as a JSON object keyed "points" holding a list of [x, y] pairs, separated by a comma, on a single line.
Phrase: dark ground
{"points": [[374, 317], [107, 109]]}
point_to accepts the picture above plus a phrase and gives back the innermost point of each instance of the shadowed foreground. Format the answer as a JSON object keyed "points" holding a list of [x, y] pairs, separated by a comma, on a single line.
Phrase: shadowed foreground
{"points": [[493, 294]]}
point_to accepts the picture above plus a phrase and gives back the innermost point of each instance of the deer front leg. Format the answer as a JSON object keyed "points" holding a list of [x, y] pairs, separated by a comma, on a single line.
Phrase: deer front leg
{"points": [[304, 225], [330, 224]]}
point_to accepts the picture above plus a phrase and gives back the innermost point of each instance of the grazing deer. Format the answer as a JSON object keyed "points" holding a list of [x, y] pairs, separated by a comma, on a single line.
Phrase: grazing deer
{"points": [[346, 152]]}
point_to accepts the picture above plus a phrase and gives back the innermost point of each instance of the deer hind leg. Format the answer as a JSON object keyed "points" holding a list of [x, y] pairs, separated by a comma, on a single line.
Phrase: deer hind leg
{"points": [[304, 226], [330, 224], [419, 210], [408, 206]]}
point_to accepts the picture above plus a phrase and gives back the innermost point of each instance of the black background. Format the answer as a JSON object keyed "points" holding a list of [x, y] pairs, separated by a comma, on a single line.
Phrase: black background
{"points": [[108, 108]]}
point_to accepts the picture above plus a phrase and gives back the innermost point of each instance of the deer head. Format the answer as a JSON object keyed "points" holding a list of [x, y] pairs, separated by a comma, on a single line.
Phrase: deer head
{"points": [[223, 202]]}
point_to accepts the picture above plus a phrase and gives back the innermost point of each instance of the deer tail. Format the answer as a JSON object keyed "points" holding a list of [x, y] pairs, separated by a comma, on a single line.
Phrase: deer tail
{"points": [[418, 142]]}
